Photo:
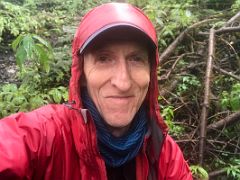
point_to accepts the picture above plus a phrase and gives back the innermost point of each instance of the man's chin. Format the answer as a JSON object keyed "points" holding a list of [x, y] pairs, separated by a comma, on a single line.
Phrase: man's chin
{"points": [[118, 130]]}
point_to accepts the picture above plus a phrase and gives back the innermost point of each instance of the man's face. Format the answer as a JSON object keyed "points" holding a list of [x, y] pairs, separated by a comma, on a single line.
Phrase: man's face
{"points": [[117, 78]]}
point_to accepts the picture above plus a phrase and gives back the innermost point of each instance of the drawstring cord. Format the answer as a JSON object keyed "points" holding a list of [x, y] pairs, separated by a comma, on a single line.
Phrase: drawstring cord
{"points": [[69, 105], [83, 112]]}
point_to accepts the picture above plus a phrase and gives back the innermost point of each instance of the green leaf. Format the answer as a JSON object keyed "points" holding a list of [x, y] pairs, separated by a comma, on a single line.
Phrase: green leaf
{"points": [[42, 57], [17, 42], [9, 88], [56, 95], [36, 102], [203, 172], [18, 101], [8, 98], [199, 172], [28, 45], [21, 56], [235, 103], [42, 41]]}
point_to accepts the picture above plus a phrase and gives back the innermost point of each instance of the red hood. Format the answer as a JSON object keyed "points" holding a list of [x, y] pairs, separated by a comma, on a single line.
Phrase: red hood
{"points": [[108, 14]]}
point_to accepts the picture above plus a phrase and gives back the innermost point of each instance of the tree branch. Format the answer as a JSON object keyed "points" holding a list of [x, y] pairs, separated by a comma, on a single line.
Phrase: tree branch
{"points": [[228, 29], [223, 30], [232, 20], [204, 112], [220, 172], [226, 73], [178, 40], [233, 118]]}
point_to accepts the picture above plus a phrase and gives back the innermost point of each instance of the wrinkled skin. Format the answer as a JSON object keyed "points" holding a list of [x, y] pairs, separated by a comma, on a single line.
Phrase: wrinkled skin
{"points": [[117, 78]]}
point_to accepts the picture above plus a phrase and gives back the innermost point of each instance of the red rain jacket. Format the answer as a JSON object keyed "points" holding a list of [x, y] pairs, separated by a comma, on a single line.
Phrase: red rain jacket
{"points": [[58, 142]]}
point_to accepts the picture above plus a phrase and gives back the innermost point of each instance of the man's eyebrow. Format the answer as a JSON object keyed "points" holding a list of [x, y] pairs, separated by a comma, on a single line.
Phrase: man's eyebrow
{"points": [[139, 51], [102, 49]]}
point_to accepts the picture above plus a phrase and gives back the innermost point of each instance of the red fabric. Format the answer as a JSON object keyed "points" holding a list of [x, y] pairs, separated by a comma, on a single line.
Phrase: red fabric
{"points": [[55, 142]]}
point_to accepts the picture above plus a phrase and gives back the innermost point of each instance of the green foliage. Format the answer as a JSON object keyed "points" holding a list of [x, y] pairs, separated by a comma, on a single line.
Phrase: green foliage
{"points": [[231, 100], [72, 7], [168, 115], [33, 48], [58, 94], [217, 4], [169, 17], [236, 6], [11, 99], [199, 172], [15, 19], [38, 87], [232, 166], [25, 98], [188, 83], [234, 169], [44, 18]]}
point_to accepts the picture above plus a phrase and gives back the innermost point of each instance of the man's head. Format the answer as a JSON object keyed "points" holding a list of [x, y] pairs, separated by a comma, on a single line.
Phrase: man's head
{"points": [[117, 76], [114, 55]]}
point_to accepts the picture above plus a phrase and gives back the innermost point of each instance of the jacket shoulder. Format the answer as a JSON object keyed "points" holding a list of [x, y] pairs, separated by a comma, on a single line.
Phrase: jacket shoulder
{"points": [[38, 117], [172, 164], [25, 136]]}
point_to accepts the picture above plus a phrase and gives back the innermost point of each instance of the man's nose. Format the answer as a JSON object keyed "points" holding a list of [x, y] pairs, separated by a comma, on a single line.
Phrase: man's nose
{"points": [[121, 77]]}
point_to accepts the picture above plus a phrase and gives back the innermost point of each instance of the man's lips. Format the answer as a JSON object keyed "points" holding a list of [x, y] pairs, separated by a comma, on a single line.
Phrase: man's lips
{"points": [[117, 96], [120, 99]]}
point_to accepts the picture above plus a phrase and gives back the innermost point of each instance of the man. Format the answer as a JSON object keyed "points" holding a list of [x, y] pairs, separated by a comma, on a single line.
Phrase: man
{"points": [[111, 128]]}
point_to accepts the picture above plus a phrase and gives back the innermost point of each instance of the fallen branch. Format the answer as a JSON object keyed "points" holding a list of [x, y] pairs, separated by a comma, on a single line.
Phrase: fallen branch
{"points": [[227, 26], [233, 118], [223, 30], [166, 91], [174, 65], [178, 40], [232, 20], [204, 112], [226, 73], [224, 144], [220, 172], [227, 30]]}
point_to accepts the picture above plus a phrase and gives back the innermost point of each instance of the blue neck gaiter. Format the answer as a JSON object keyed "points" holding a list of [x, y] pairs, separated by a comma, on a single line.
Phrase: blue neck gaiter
{"points": [[116, 151]]}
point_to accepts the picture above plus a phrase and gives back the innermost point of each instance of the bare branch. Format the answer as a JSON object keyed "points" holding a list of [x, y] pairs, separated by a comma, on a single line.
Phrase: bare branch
{"points": [[226, 73], [233, 118], [205, 107], [179, 39], [228, 29], [232, 20], [219, 172], [174, 65], [223, 30]]}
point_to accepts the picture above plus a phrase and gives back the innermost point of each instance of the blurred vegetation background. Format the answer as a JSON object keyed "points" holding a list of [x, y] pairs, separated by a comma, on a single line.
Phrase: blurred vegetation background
{"points": [[35, 60]]}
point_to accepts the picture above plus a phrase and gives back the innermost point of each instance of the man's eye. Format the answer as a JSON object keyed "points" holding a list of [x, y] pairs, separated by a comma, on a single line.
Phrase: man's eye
{"points": [[139, 58], [103, 59]]}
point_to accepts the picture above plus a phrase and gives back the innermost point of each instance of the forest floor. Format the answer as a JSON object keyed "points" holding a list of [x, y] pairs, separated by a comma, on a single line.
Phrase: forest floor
{"points": [[8, 68]]}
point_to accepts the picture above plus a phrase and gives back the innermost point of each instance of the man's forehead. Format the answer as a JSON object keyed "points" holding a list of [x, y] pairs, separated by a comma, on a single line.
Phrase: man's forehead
{"points": [[111, 45]]}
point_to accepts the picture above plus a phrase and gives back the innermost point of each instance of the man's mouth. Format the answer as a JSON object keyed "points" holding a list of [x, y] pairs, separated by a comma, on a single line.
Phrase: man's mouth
{"points": [[120, 99]]}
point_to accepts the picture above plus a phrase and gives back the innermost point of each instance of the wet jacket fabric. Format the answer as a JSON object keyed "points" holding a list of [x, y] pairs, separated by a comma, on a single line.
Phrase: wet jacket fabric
{"points": [[58, 142]]}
